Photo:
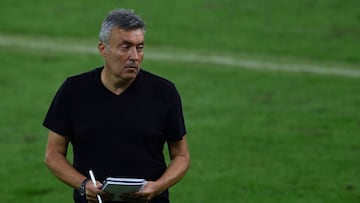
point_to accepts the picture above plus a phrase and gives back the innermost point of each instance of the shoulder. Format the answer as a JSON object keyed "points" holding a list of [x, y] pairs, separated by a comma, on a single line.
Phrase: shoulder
{"points": [[159, 87], [80, 82], [83, 77], [156, 80]]}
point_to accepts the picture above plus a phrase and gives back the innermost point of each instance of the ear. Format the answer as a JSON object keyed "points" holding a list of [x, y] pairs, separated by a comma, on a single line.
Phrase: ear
{"points": [[102, 49]]}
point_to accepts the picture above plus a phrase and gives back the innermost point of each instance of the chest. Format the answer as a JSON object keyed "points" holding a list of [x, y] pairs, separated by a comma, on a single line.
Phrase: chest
{"points": [[124, 118]]}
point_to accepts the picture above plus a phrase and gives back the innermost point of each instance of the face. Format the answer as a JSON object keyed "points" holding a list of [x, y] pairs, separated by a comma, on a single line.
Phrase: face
{"points": [[124, 54]]}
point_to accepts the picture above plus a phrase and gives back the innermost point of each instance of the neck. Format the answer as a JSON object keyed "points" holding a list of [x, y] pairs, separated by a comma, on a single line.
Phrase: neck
{"points": [[115, 84]]}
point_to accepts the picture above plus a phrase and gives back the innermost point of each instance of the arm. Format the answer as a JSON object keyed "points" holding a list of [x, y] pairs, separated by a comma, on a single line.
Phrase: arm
{"points": [[55, 160], [180, 162]]}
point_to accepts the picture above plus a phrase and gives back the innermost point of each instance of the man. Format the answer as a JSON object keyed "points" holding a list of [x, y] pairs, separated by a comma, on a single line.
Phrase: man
{"points": [[118, 118]]}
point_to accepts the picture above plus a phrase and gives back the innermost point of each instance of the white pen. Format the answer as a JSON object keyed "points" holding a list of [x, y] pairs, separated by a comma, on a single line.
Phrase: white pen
{"points": [[92, 177]]}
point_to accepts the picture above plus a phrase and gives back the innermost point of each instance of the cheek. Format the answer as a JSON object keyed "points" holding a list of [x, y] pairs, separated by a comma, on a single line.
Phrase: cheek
{"points": [[123, 59], [117, 58]]}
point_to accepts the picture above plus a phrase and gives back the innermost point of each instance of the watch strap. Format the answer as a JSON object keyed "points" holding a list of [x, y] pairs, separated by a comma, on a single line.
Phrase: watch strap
{"points": [[82, 188]]}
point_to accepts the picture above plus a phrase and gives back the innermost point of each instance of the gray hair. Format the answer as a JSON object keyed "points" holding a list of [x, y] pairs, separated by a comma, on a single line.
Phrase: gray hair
{"points": [[119, 18]]}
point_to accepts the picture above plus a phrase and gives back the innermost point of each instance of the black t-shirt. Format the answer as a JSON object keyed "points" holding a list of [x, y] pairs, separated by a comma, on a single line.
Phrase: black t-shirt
{"points": [[118, 135]]}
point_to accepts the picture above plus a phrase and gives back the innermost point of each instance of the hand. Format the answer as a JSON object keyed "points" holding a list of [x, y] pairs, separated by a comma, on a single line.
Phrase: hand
{"points": [[149, 191], [92, 192]]}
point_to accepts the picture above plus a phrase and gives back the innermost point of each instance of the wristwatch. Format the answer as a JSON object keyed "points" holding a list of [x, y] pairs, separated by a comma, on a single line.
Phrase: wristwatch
{"points": [[82, 188]]}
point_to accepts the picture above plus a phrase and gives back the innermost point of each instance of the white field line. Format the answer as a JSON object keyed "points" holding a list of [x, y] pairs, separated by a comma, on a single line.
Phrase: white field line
{"points": [[192, 57]]}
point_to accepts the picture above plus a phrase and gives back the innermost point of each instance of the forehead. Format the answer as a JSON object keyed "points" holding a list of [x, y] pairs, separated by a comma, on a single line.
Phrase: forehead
{"points": [[132, 36]]}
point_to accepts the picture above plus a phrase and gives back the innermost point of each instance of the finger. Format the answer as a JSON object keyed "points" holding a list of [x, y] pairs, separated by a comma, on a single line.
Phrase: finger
{"points": [[98, 184], [91, 198], [92, 201]]}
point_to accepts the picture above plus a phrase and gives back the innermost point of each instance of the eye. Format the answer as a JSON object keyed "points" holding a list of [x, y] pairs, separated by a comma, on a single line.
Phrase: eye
{"points": [[125, 47], [140, 47]]}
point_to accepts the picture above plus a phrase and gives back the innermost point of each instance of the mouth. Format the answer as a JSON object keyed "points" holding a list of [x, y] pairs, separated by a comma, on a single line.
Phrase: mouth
{"points": [[131, 64], [131, 67]]}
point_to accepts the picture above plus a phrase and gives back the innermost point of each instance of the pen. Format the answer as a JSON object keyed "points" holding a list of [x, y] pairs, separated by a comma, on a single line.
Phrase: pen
{"points": [[92, 177]]}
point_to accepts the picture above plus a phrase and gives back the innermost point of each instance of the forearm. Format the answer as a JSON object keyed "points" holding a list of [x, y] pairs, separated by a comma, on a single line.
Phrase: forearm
{"points": [[174, 173], [63, 170], [180, 162]]}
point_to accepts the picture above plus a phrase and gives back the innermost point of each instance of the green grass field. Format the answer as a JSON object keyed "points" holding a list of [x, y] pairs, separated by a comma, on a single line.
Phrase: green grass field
{"points": [[255, 135]]}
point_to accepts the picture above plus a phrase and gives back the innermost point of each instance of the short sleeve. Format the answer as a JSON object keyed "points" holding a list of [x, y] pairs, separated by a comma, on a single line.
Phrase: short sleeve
{"points": [[57, 118], [176, 125]]}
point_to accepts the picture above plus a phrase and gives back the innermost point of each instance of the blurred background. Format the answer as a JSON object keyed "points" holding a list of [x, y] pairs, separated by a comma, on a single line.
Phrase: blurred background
{"points": [[270, 92]]}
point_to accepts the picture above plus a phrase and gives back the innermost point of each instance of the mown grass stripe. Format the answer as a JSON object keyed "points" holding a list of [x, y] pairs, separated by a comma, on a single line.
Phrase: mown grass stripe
{"points": [[189, 56]]}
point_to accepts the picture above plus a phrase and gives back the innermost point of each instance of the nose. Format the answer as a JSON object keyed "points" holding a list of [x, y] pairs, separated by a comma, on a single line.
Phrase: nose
{"points": [[134, 55]]}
